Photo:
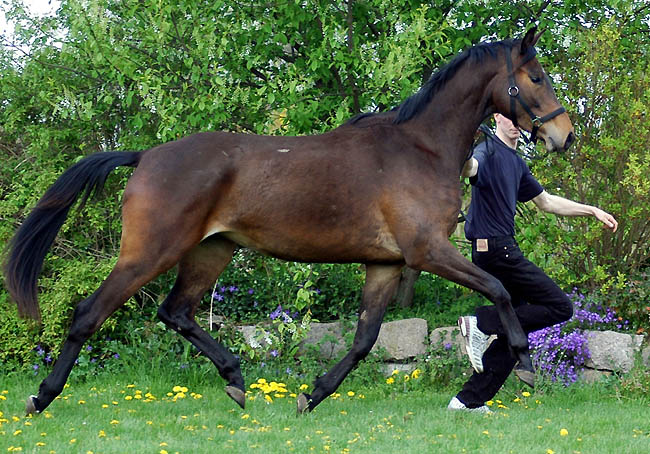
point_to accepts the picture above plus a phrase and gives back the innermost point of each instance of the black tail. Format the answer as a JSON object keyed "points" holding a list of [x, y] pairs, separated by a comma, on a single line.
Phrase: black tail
{"points": [[35, 236]]}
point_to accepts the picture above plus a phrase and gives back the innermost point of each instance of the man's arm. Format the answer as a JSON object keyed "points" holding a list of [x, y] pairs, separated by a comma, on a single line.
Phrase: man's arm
{"points": [[565, 207], [470, 168]]}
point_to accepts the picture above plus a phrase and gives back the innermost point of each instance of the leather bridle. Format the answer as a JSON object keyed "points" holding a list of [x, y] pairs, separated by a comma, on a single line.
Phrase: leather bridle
{"points": [[513, 92]]}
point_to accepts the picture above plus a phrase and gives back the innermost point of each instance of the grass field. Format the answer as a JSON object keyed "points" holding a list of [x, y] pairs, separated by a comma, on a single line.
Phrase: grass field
{"points": [[160, 415]]}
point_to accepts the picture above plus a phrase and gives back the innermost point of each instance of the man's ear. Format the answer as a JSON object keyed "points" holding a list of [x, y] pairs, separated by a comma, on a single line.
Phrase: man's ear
{"points": [[530, 39]]}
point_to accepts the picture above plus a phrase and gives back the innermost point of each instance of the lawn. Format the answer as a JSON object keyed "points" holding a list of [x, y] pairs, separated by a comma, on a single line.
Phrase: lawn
{"points": [[125, 414]]}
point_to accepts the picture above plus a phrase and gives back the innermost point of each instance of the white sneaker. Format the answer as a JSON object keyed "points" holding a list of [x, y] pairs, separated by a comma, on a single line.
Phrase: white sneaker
{"points": [[456, 404], [476, 342]]}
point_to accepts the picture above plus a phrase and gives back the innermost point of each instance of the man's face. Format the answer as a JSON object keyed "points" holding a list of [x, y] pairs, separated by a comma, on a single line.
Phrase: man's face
{"points": [[507, 128]]}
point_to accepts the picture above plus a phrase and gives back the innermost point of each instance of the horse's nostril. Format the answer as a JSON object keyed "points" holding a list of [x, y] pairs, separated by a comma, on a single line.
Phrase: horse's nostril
{"points": [[569, 140]]}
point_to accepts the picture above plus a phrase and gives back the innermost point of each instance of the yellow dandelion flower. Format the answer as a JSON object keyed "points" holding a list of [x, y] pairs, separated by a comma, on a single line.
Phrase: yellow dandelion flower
{"points": [[550, 451], [104, 405], [268, 398], [390, 380], [162, 451], [101, 434], [416, 374], [18, 432], [564, 432], [73, 441], [184, 389], [163, 444], [15, 418], [246, 416], [2, 397], [198, 396], [485, 432], [343, 412], [351, 393], [517, 399], [130, 386], [40, 443], [304, 387], [128, 398], [149, 423], [114, 421], [525, 394], [407, 377], [395, 372], [176, 389], [115, 402]]}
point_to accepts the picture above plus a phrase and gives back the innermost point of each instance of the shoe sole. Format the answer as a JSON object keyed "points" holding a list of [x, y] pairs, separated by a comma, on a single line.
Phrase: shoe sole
{"points": [[464, 331]]}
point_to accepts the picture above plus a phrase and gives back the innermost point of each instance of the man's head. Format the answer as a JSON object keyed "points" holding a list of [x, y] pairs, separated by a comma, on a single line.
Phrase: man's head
{"points": [[505, 128]]}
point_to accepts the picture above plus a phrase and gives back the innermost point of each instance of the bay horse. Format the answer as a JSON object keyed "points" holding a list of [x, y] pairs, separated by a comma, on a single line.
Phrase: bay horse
{"points": [[382, 190]]}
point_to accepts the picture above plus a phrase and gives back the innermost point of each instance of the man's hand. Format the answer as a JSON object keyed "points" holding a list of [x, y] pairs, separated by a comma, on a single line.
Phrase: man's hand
{"points": [[606, 218]]}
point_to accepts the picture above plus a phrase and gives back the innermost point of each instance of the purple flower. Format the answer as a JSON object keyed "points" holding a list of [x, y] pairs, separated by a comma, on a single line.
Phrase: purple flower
{"points": [[48, 358], [35, 367], [217, 296], [447, 346], [39, 350], [275, 353], [276, 313], [116, 356], [251, 291], [89, 349], [232, 289]]}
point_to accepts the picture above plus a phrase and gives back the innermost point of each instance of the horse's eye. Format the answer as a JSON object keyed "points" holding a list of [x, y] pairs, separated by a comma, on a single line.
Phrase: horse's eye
{"points": [[536, 79]]}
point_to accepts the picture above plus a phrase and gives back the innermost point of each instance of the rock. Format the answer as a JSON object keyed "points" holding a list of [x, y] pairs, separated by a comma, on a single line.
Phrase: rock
{"points": [[447, 336], [403, 339], [333, 331], [389, 368], [610, 351], [593, 375], [645, 356]]}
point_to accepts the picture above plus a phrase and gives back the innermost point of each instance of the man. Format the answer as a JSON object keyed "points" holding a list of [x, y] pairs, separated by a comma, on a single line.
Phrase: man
{"points": [[500, 178]]}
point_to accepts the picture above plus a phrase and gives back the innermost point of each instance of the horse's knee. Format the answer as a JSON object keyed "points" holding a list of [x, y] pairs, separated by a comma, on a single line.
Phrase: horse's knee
{"points": [[174, 319]]}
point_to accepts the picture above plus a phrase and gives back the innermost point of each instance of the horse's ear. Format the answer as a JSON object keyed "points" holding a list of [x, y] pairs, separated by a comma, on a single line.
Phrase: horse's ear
{"points": [[529, 40]]}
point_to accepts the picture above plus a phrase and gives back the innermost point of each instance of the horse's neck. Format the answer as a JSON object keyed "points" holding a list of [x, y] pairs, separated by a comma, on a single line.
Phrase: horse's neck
{"points": [[457, 110]]}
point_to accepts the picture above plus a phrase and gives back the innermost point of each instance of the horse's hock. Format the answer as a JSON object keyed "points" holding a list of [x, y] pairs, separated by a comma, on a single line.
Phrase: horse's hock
{"points": [[402, 341]]}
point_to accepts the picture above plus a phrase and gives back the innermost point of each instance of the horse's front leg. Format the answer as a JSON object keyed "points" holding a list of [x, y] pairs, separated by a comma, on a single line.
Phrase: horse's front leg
{"points": [[380, 287], [442, 258]]}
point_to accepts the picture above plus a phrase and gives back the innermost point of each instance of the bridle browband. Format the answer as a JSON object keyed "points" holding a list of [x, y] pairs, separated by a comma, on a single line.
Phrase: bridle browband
{"points": [[513, 92]]}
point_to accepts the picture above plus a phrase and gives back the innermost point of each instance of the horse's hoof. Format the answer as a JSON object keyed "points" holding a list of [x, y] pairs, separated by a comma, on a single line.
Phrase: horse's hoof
{"points": [[237, 395], [526, 376], [303, 403], [30, 406]]}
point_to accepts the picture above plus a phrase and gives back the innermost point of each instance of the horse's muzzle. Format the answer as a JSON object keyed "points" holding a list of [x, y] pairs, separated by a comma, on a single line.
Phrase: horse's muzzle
{"points": [[569, 141]]}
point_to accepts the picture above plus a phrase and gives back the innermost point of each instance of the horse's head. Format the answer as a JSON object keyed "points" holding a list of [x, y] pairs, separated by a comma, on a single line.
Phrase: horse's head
{"points": [[528, 99]]}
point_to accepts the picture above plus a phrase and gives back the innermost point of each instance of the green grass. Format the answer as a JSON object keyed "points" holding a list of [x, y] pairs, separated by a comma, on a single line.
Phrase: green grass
{"points": [[371, 421]]}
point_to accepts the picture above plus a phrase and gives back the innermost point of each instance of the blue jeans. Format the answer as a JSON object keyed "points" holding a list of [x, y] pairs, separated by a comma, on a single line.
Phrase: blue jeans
{"points": [[537, 301]]}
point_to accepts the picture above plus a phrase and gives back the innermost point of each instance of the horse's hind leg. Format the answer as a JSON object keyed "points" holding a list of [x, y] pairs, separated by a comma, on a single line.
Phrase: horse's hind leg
{"points": [[124, 280], [197, 271], [443, 259], [380, 287]]}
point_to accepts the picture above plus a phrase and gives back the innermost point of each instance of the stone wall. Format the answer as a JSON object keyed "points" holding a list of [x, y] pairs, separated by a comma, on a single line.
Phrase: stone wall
{"points": [[404, 340]]}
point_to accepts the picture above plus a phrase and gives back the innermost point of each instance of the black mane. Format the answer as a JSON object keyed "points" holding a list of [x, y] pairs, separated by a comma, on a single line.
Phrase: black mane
{"points": [[417, 102]]}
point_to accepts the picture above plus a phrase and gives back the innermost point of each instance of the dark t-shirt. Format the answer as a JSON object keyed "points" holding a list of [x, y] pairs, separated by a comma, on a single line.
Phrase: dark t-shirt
{"points": [[503, 178]]}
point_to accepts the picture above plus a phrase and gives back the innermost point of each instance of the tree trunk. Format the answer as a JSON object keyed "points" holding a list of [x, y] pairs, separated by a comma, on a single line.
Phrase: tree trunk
{"points": [[406, 287]]}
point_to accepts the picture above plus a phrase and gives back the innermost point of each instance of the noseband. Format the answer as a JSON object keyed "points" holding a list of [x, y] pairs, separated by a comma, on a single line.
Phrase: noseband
{"points": [[513, 91]]}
